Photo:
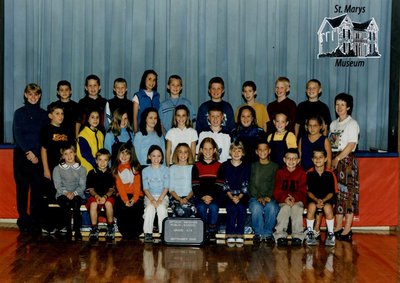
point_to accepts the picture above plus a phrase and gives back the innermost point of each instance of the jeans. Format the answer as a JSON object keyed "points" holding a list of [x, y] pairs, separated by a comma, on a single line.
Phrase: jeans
{"points": [[208, 213], [235, 218], [263, 218]]}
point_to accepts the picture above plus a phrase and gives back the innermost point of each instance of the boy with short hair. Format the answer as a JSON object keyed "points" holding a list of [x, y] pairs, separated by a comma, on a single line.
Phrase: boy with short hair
{"points": [[263, 207], [282, 104], [100, 186], [167, 107], [290, 192], [216, 90], [217, 132], [312, 107], [321, 184], [119, 101], [92, 100], [72, 122], [249, 93]]}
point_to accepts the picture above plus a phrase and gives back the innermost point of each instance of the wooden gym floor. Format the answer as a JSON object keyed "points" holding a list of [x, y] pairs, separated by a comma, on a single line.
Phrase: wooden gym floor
{"points": [[371, 257]]}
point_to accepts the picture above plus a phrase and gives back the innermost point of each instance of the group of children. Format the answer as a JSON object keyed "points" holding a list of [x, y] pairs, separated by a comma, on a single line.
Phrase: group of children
{"points": [[140, 171]]}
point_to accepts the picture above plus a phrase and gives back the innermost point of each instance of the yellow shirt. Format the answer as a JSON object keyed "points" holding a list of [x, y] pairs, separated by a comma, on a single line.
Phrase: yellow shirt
{"points": [[290, 139]]}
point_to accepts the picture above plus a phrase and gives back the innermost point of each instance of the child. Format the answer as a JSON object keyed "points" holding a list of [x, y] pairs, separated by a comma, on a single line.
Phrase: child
{"points": [[181, 132], [54, 138], [70, 182], [180, 176], [129, 202], [155, 187], [167, 107], [93, 100], [290, 193], [147, 96], [248, 132], [120, 132], [150, 134], [119, 100], [263, 206], [28, 122], [90, 141], [216, 89], [72, 122], [217, 133], [100, 185], [249, 93], [312, 107], [281, 140], [282, 104], [207, 185], [314, 139], [236, 174], [321, 185]]}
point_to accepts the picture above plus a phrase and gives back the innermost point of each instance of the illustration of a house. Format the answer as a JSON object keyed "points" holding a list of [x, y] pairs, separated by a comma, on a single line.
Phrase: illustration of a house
{"points": [[340, 37]]}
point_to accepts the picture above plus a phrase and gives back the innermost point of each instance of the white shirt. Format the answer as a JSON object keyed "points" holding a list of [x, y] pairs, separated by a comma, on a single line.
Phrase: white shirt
{"points": [[342, 133]]}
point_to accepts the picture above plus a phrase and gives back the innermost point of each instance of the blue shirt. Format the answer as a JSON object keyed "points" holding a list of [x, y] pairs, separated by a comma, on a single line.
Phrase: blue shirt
{"points": [[180, 179], [155, 180], [142, 144]]}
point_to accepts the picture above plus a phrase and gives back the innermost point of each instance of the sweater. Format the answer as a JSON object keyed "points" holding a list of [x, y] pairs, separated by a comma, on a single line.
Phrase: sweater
{"points": [[125, 187], [69, 178], [290, 183]]}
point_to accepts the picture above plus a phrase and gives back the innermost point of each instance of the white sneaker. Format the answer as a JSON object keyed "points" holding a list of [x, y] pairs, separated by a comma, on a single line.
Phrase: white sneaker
{"points": [[230, 242], [239, 242]]}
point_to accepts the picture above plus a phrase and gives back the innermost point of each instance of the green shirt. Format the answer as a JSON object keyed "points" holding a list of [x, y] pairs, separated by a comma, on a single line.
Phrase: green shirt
{"points": [[262, 179]]}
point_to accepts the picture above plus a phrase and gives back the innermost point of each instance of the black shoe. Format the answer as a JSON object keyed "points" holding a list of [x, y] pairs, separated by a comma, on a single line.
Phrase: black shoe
{"points": [[270, 240], [338, 233], [348, 237], [296, 242], [256, 239], [78, 236], [282, 242]]}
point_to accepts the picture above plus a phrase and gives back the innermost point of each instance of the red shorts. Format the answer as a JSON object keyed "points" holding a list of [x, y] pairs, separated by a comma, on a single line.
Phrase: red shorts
{"points": [[99, 206]]}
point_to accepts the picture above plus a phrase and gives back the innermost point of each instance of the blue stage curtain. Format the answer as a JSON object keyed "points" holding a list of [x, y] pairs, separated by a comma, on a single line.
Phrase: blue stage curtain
{"points": [[50, 40]]}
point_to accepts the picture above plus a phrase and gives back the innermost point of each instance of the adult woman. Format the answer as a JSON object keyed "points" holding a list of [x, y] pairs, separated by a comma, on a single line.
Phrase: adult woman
{"points": [[343, 136]]}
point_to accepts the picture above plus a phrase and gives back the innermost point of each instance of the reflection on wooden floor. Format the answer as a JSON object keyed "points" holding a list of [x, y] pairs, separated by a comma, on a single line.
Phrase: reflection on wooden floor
{"points": [[371, 258]]}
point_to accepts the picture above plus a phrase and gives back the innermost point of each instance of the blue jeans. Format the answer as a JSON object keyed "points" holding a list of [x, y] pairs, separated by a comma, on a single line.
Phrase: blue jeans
{"points": [[235, 218], [208, 213], [263, 218]]}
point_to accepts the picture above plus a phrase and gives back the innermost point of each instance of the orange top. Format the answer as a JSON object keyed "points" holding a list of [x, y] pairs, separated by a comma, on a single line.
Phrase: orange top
{"points": [[129, 188]]}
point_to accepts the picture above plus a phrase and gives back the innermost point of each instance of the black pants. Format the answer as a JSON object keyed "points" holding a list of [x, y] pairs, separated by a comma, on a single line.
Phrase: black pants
{"points": [[66, 206], [129, 219], [28, 179]]}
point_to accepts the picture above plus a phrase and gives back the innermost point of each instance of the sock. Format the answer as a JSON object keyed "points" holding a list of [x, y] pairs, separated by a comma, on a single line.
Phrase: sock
{"points": [[329, 224], [310, 223]]}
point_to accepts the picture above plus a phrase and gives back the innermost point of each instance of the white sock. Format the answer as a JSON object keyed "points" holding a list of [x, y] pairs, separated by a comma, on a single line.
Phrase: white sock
{"points": [[329, 224], [310, 223]]}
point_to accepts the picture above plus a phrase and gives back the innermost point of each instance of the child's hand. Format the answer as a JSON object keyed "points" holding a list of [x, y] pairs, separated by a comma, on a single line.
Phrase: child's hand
{"points": [[70, 195], [183, 201], [267, 200], [207, 199], [235, 199], [262, 201], [129, 203], [289, 200]]}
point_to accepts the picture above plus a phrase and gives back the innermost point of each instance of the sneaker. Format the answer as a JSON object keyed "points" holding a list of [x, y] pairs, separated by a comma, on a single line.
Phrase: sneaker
{"points": [[211, 236], [94, 234], [269, 240], [330, 239], [230, 242], [63, 230], [282, 242], [296, 242], [148, 238], [110, 234], [257, 239], [310, 238], [317, 234], [239, 242]]}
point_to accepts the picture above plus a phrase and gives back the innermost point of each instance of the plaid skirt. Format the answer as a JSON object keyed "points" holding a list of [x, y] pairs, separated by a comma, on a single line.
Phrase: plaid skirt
{"points": [[347, 198]]}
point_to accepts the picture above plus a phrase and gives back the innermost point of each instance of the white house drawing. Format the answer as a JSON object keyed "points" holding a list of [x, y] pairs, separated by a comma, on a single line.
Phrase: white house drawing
{"points": [[340, 37]]}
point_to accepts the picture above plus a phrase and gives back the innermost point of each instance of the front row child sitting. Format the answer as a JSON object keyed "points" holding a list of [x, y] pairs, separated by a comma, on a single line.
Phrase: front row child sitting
{"points": [[180, 189], [155, 187], [70, 180], [100, 185], [290, 192], [263, 207], [129, 200], [321, 184], [236, 174]]}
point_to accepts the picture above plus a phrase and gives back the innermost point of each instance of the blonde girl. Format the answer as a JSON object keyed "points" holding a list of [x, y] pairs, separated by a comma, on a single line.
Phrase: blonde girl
{"points": [[181, 182]]}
